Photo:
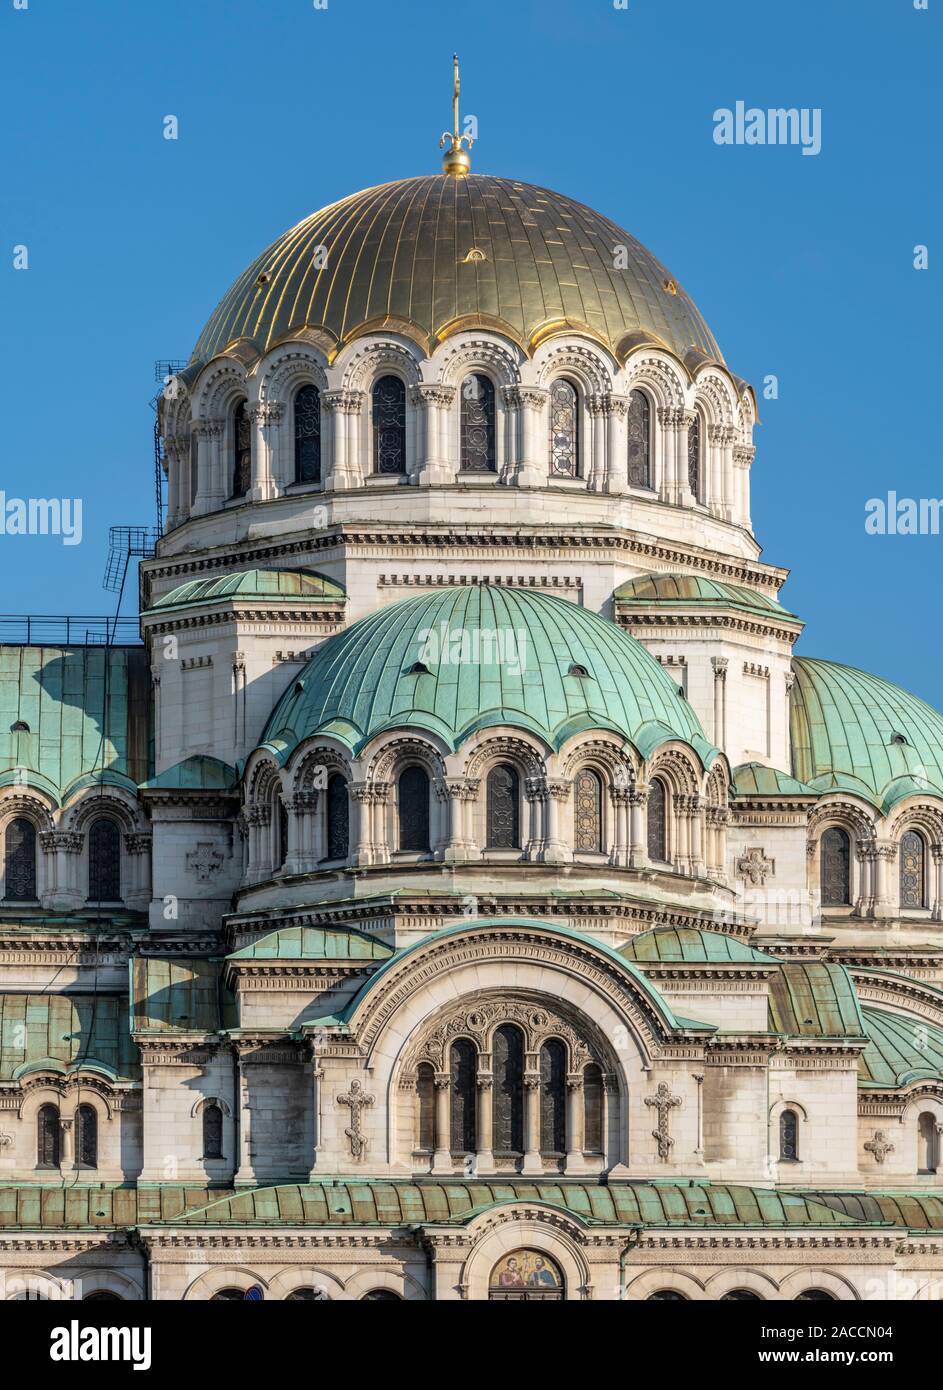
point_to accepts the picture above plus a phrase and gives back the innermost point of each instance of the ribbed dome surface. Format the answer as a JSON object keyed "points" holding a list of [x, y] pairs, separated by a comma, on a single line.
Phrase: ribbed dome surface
{"points": [[429, 252], [493, 656]]}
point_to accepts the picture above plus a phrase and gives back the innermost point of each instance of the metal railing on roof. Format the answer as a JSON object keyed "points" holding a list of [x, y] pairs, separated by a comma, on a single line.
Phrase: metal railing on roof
{"points": [[44, 630]]}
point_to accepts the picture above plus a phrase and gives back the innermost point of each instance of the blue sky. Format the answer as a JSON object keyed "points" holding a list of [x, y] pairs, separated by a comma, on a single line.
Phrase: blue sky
{"points": [[802, 266]]}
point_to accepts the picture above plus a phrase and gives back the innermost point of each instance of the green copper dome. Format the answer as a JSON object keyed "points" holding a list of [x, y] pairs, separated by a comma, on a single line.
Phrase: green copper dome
{"points": [[270, 586], [696, 591], [471, 657], [858, 733]]}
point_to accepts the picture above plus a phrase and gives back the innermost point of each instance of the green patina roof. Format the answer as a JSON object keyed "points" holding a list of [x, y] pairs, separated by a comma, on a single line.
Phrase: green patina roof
{"points": [[66, 1032], [814, 999], [85, 712], [35, 1206], [903, 1048], [279, 586], [696, 591], [197, 773], [185, 996], [314, 943], [361, 681], [843, 724], [689, 944], [917, 1211], [753, 779]]}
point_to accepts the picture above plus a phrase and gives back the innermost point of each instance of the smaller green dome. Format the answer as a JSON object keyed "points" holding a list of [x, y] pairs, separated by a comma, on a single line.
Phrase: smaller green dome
{"points": [[687, 945], [474, 656], [278, 586], [902, 1048], [756, 779], [678, 591]]}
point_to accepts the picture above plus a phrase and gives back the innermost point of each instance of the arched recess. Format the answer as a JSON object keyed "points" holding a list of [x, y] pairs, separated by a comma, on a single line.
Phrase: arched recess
{"points": [[205, 1285], [777, 1110], [651, 1281], [398, 1282], [287, 1281], [502, 1230], [859, 826], [802, 1280], [87, 1283], [24, 1283], [727, 1280]]}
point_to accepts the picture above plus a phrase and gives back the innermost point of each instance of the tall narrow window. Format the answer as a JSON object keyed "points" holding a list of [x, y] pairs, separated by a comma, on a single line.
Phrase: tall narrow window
{"points": [[338, 818], [553, 1097], [20, 861], [212, 1131], [788, 1136], [194, 466], [913, 871], [47, 1137], [694, 457], [412, 799], [308, 435], [86, 1136], [508, 1096], [462, 1073], [241, 450], [425, 1095], [478, 433], [389, 425], [640, 439], [503, 808], [926, 1143], [657, 822], [564, 429], [588, 810], [281, 812], [592, 1109], [104, 861], [836, 868]]}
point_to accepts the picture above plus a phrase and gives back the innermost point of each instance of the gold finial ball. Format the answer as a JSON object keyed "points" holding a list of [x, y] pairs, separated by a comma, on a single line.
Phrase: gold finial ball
{"points": [[456, 162]]}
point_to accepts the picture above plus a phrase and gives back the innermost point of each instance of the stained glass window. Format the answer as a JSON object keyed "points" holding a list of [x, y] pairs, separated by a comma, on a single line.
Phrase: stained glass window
{"points": [[338, 818], [640, 439], [564, 429], [553, 1097], [504, 813], [389, 425], [212, 1131], [592, 1109], [462, 1067], [308, 435], [588, 810], [836, 868], [657, 822], [425, 1091], [104, 861], [508, 1095], [47, 1138], [86, 1136], [788, 1135], [913, 892], [20, 861], [694, 457], [413, 806], [478, 432], [241, 450]]}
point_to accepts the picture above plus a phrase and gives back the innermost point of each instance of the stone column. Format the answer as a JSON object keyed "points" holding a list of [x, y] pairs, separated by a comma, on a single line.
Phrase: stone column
{"points": [[139, 846], [674, 433], [209, 494], [617, 460], [442, 1157], [245, 1174], [638, 837], [177, 453], [686, 497], [317, 1082], [937, 903], [265, 417], [532, 467], [682, 855], [555, 793], [595, 465], [344, 470], [532, 1161], [619, 799], [885, 852], [361, 794], [380, 802], [433, 404], [62, 849], [694, 810], [574, 1123], [742, 459], [484, 1161], [865, 854], [720, 664], [533, 801]]}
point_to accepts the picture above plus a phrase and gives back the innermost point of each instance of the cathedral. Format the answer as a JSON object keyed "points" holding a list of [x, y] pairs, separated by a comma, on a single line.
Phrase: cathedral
{"points": [[462, 892]]}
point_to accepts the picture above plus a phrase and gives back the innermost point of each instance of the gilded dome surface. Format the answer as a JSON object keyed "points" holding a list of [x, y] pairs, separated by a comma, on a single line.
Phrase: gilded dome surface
{"points": [[473, 657], [430, 253]]}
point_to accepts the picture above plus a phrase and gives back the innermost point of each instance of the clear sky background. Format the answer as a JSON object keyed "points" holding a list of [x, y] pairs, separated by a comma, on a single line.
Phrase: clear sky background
{"points": [[803, 267]]}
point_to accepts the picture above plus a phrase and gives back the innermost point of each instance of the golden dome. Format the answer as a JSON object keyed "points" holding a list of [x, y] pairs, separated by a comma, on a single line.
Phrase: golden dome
{"points": [[429, 255]]}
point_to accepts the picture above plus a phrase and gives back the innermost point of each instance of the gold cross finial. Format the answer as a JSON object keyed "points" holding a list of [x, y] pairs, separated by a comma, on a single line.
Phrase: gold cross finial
{"points": [[456, 161]]}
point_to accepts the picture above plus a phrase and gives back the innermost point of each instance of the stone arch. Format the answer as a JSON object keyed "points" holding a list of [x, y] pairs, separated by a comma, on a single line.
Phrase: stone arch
{"points": [[211, 1281], [95, 1281], [524, 750], [593, 372], [367, 359], [368, 1278], [283, 1284], [715, 394], [726, 1280], [200, 1105], [502, 1230], [218, 387], [20, 1279], [106, 800], [452, 362], [658, 373], [651, 1280], [314, 760], [800, 1280]]}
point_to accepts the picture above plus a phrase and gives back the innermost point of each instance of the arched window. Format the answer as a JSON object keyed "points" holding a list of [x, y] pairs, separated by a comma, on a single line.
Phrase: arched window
{"points": [[553, 1097], [86, 1136], [425, 1092], [228, 1296], [588, 810], [815, 1296], [592, 1109], [281, 812], [381, 1296], [104, 861], [20, 861], [926, 1143], [47, 1137], [194, 466], [740, 1296], [241, 450], [913, 871], [212, 1131], [640, 439], [412, 799], [503, 808], [508, 1095], [666, 1296], [102, 1296], [462, 1072], [694, 457], [338, 818], [308, 435], [788, 1136], [564, 429], [315, 1295], [657, 822], [836, 868], [389, 425], [478, 433]]}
